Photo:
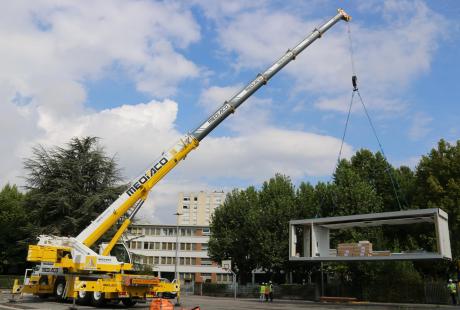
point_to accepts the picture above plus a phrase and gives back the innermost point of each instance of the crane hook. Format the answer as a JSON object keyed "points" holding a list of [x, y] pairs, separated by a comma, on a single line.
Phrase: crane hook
{"points": [[354, 81]]}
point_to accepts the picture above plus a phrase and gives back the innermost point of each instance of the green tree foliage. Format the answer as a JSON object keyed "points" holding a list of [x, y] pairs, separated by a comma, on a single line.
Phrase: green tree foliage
{"points": [[235, 232], [13, 229], [278, 205], [366, 183], [70, 186], [438, 186], [354, 194], [376, 172]]}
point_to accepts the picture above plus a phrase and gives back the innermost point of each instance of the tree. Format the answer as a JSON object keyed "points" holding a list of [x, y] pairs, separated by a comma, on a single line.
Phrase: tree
{"points": [[307, 202], [278, 205], [235, 232], [377, 172], [438, 186], [70, 186], [354, 194], [13, 229]]}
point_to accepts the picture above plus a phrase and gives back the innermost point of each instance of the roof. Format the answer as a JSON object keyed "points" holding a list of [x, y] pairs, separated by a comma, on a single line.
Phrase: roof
{"points": [[375, 219]]}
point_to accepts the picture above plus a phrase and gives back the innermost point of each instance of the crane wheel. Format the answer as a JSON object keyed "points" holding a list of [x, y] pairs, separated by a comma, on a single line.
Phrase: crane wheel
{"points": [[128, 302], [59, 289], [98, 299], [83, 298]]}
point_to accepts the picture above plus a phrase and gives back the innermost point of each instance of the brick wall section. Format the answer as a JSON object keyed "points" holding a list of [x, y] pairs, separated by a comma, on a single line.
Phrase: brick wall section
{"points": [[198, 278]]}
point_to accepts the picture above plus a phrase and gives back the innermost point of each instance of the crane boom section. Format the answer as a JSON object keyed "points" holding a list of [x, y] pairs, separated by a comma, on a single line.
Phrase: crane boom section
{"points": [[137, 190], [171, 158], [230, 106]]}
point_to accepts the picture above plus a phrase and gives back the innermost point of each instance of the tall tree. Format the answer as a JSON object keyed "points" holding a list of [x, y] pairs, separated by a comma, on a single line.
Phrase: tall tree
{"points": [[13, 229], [438, 185], [235, 232], [278, 205], [70, 186], [354, 194], [376, 171]]}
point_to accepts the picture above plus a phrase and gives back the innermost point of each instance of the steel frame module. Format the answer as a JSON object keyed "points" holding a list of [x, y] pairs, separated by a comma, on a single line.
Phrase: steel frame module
{"points": [[316, 234]]}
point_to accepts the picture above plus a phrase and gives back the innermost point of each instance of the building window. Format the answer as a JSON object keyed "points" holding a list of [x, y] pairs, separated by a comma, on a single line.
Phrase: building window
{"points": [[185, 207], [204, 247], [206, 262], [223, 278], [186, 199], [195, 198], [187, 276], [135, 245], [186, 231], [206, 231], [136, 230], [170, 260]]}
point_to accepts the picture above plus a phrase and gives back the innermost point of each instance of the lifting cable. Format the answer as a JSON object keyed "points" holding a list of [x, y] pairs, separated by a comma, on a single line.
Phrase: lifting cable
{"points": [[354, 81]]}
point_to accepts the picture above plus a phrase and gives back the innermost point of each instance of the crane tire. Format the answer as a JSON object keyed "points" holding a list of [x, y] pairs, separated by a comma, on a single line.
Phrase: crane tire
{"points": [[59, 289]]}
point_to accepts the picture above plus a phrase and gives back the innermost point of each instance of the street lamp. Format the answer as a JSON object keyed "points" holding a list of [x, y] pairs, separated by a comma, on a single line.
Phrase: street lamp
{"points": [[176, 274]]}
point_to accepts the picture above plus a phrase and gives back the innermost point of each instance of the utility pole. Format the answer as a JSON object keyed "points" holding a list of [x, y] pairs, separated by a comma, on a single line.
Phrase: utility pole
{"points": [[176, 261], [176, 274]]}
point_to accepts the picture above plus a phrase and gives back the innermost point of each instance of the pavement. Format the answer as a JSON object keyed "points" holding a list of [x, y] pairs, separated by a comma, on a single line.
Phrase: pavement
{"points": [[216, 303]]}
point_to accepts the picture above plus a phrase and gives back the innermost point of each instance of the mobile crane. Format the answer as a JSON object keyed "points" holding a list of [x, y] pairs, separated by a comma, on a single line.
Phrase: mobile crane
{"points": [[69, 268]]}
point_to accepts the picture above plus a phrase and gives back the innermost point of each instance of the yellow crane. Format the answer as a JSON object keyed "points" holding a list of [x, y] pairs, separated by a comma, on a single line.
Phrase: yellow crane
{"points": [[67, 267]]}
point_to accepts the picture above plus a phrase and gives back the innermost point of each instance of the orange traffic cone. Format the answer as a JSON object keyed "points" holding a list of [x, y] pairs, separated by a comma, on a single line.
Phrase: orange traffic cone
{"points": [[161, 304]]}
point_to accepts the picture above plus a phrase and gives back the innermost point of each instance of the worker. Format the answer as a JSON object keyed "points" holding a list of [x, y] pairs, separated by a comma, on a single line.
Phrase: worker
{"points": [[267, 292], [270, 291], [262, 292], [453, 291]]}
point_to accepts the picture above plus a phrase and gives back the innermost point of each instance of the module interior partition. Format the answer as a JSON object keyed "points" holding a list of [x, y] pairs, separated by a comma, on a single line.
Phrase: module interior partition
{"points": [[309, 239]]}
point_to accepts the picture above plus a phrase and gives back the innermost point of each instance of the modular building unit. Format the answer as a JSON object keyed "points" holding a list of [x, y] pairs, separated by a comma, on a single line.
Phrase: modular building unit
{"points": [[309, 239]]}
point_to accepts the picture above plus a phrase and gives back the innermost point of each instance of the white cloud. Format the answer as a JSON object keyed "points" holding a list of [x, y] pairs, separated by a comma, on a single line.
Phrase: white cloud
{"points": [[420, 126], [51, 48], [342, 104], [253, 115], [66, 42], [138, 133], [388, 57]]}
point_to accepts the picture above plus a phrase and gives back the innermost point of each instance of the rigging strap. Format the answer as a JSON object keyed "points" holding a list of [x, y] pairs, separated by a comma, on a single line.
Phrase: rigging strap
{"points": [[354, 81]]}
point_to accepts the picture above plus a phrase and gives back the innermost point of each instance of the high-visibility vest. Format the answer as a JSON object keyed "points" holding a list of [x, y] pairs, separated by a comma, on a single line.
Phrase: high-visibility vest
{"points": [[452, 287], [262, 289]]}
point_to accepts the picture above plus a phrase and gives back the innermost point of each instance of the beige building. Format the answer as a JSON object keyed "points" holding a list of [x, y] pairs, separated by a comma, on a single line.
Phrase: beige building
{"points": [[154, 247], [197, 208]]}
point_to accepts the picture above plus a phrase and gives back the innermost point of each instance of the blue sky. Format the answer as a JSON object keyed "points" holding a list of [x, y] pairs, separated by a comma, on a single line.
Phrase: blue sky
{"points": [[140, 74]]}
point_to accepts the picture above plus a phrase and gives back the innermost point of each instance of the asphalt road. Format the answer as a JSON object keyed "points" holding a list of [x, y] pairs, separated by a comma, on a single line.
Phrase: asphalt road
{"points": [[212, 303]]}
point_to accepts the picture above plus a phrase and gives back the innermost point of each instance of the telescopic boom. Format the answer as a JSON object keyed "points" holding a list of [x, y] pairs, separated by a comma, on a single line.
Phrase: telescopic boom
{"points": [[140, 188]]}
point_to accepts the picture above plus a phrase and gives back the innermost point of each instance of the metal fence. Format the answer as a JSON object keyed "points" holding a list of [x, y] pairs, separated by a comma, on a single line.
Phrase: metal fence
{"points": [[425, 293], [7, 281]]}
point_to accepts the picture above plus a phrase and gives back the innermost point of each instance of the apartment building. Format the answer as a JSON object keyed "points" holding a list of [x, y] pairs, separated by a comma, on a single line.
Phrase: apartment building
{"points": [[155, 246], [196, 208]]}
